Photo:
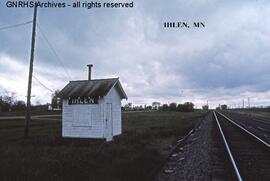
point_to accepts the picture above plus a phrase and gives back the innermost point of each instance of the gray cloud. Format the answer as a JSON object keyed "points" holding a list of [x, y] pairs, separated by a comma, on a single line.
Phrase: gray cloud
{"points": [[224, 62]]}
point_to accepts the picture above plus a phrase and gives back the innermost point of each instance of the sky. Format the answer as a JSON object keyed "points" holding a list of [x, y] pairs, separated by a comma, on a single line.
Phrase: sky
{"points": [[223, 63]]}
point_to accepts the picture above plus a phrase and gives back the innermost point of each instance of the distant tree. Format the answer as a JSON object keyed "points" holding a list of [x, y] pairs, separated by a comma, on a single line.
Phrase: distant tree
{"points": [[9, 103], [165, 107], [172, 106], [186, 107], [5, 103], [128, 107], [8, 99], [18, 106], [179, 107], [190, 106], [56, 101], [148, 108]]}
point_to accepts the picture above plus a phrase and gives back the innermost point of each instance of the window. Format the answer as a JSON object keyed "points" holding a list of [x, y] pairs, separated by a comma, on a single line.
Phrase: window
{"points": [[82, 116]]}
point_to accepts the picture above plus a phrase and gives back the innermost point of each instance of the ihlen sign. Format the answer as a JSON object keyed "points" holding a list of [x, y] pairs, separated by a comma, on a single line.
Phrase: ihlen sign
{"points": [[82, 100]]}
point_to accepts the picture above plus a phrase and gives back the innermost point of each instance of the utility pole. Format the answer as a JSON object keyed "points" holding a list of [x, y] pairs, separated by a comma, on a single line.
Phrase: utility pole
{"points": [[28, 104], [249, 103], [243, 103]]}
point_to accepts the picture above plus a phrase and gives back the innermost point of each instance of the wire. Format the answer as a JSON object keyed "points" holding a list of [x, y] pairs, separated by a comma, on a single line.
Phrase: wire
{"points": [[15, 25], [54, 52], [42, 84]]}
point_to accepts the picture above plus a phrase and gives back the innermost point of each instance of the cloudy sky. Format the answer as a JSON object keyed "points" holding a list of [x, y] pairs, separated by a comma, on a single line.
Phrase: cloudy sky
{"points": [[225, 62]]}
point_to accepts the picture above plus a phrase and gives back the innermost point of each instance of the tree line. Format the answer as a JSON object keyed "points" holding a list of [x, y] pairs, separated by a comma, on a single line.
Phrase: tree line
{"points": [[186, 107], [8, 103]]}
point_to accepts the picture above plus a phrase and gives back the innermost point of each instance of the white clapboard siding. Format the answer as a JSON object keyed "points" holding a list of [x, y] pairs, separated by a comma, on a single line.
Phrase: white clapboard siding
{"points": [[88, 120], [114, 98], [83, 121]]}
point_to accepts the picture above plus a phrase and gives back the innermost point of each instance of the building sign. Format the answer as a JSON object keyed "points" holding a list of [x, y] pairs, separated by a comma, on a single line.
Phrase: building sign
{"points": [[82, 100]]}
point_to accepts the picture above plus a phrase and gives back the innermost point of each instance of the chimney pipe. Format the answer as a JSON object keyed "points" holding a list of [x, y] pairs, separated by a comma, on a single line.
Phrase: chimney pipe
{"points": [[89, 71]]}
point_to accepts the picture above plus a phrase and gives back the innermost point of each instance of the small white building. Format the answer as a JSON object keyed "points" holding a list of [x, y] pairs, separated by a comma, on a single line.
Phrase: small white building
{"points": [[92, 108], [155, 105]]}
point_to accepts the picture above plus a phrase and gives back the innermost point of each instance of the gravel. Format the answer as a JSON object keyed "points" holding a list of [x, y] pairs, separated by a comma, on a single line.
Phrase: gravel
{"points": [[192, 159]]}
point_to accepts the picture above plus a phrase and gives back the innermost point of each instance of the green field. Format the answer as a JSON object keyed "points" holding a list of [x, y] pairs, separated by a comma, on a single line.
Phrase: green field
{"points": [[33, 112], [134, 155]]}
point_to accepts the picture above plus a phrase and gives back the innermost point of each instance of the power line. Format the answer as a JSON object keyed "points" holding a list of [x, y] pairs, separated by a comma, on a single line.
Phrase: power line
{"points": [[43, 85], [54, 52], [15, 25]]}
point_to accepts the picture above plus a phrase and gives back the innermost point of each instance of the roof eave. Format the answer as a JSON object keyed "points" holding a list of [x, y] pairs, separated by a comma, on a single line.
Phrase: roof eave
{"points": [[121, 89]]}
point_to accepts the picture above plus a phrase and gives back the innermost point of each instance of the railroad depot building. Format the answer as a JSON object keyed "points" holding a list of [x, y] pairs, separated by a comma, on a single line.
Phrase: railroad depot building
{"points": [[92, 108]]}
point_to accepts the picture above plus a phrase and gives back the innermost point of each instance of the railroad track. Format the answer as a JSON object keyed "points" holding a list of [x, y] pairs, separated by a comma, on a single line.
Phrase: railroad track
{"points": [[252, 121], [249, 154], [256, 125]]}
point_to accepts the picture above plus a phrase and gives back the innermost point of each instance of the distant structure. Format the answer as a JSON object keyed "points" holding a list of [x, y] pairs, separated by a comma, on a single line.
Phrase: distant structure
{"points": [[205, 107], [92, 108], [223, 107], [128, 107], [56, 103], [155, 105]]}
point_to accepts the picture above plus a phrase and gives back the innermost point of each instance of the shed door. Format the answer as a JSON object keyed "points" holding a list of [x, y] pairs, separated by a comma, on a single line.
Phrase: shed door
{"points": [[109, 122]]}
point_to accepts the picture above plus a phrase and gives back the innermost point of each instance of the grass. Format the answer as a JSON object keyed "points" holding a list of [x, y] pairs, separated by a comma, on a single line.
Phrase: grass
{"points": [[134, 155], [33, 112]]}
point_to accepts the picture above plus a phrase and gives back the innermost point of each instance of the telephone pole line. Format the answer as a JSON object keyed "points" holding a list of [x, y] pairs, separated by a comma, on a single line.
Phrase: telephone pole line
{"points": [[28, 104]]}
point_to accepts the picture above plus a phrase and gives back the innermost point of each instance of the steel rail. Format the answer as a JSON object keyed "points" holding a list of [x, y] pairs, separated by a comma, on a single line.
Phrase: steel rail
{"points": [[266, 122], [244, 129], [228, 150]]}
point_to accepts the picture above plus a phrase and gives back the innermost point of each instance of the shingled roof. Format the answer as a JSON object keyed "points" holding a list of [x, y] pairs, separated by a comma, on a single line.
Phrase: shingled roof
{"points": [[91, 88]]}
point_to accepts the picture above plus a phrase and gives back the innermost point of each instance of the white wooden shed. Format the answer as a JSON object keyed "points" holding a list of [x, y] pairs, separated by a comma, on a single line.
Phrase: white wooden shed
{"points": [[92, 108]]}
